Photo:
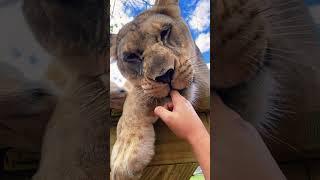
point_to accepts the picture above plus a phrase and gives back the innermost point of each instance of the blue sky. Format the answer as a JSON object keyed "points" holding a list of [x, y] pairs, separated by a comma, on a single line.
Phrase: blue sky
{"points": [[314, 7], [195, 12], [312, 2], [19, 48]]}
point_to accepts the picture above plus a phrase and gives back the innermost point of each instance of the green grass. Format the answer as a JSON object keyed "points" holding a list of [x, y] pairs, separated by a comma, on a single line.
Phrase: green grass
{"points": [[197, 177]]}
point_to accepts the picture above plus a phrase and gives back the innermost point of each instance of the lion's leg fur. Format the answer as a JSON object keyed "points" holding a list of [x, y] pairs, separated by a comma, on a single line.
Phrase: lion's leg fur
{"points": [[25, 107], [134, 147], [75, 143]]}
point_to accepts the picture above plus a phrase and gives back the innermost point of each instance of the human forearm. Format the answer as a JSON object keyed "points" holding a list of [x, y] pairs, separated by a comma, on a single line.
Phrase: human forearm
{"points": [[238, 148], [201, 149], [182, 119]]}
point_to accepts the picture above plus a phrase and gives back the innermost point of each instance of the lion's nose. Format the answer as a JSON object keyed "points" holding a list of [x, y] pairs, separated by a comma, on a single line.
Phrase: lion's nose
{"points": [[166, 77]]}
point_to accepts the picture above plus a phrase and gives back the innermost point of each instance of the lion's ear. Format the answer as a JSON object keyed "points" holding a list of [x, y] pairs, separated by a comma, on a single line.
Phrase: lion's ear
{"points": [[113, 47], [168, 7]]}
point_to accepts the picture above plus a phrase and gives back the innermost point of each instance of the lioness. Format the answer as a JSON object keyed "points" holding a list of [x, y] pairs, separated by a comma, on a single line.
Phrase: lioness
{"points": [[266, 68], [75, 144], [155, 53]]}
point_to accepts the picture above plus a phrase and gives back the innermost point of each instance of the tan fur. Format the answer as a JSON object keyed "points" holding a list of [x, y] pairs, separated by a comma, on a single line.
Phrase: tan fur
{"points": [[57, 75], [241, 38], [25, 108], [117, 96], [79, 29], [266, 67], [134, 147], [75, 143]]}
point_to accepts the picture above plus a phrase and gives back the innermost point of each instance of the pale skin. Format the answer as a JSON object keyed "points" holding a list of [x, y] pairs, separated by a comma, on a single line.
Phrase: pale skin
{"points": [[182, 119], [238, 147]]}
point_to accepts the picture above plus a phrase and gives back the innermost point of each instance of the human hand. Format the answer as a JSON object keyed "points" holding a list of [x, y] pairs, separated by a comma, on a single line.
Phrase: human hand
{"points": [[181, 118]]}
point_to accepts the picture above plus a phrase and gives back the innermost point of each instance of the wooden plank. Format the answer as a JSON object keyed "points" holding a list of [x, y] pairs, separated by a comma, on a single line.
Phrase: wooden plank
{"points": [[169, 172], [173, 158], [168, 148]]}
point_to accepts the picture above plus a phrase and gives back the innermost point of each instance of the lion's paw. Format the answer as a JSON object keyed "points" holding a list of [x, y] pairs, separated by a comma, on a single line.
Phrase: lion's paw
{"points": [[130, 155]]}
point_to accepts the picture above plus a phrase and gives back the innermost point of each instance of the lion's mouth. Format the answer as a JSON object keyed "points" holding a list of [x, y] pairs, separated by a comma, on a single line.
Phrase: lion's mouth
{"points": [[181, 91], [161, 90]]}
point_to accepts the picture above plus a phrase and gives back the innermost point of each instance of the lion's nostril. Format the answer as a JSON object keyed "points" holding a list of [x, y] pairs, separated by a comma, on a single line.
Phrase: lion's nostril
{"points": [[166, 77]]}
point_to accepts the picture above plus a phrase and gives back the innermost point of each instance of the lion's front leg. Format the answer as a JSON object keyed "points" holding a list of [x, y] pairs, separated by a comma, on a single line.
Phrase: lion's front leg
{"points": [[133, 150], [134, 147]]}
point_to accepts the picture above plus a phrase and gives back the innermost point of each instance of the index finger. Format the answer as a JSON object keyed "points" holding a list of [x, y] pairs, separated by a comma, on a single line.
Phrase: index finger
{"points": [[176, 97]]}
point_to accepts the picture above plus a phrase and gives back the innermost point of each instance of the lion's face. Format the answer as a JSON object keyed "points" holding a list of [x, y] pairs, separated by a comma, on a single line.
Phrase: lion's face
{"points": [[72, 31], [155, 52], [240, 40]]}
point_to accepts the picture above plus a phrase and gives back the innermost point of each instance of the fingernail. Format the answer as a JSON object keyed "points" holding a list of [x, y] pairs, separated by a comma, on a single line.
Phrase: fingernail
{"points": [[156, 109]]}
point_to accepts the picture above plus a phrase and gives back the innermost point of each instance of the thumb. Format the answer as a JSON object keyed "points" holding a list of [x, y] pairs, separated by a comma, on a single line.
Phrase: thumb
{"points": [[163, 113]]}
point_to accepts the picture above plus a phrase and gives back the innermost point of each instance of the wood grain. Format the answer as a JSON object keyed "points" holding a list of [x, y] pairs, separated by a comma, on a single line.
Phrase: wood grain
{"points": [[173, 157]]}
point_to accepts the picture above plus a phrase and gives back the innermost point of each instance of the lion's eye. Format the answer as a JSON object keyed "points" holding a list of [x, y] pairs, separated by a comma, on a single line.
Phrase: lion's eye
{"points": [[131, 58], [165, 32]]}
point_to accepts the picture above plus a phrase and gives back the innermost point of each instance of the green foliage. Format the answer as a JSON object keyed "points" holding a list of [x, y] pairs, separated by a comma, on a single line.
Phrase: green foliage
{"points": [[197, 177]]}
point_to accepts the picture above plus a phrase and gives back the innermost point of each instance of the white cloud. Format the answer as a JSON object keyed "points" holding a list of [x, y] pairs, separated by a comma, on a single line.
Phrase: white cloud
{"points": [[116, 76], [120, 15], [140, 4], [208, 65], [200, 18], [18, 47], [315, 13], [203, 42]]}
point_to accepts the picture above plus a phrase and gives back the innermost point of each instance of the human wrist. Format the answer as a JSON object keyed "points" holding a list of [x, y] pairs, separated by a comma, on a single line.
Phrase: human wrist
{"points": [[198, 135]]}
